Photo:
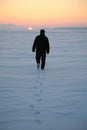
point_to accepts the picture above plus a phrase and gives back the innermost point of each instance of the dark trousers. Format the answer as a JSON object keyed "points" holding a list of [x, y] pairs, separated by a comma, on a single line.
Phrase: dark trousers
{"points": [[41, 58]]}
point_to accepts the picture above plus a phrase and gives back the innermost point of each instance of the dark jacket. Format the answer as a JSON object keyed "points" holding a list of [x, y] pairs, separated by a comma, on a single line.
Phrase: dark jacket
{"points": [[41, 44]]}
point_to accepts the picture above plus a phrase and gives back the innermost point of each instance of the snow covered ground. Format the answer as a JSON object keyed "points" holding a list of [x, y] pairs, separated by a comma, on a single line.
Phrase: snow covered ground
{"points": [[50, 99]]}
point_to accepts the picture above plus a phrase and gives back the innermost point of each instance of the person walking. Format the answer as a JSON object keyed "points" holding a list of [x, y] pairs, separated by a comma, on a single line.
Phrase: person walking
{"points": [[41, 47]]}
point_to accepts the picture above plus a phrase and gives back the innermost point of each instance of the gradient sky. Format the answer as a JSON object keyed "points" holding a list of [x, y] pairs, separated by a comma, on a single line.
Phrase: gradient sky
{"points": [[44, 12]]}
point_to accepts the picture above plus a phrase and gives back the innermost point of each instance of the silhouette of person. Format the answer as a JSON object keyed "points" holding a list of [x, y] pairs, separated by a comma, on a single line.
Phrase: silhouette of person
{"points": [[41, 47]]}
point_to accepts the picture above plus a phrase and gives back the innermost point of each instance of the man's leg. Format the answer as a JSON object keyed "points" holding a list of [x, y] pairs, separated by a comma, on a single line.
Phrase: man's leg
{"points": [[43, 60], [38, 60]]}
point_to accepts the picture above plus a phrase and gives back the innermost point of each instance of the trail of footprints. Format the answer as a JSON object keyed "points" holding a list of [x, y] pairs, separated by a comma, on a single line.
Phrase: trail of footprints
{"points": [[38, 88], [38, 94]]}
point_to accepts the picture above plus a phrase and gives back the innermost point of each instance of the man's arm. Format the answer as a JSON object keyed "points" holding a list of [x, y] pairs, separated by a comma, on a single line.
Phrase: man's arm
{"points": [[48, 46], [34, 45]]}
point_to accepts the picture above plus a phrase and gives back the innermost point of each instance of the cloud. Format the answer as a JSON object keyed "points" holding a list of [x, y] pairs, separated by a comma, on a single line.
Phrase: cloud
{"points": [[11, 27]]}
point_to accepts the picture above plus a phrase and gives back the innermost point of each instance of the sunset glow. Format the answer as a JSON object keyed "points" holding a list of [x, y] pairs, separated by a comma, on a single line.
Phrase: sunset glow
{"points": [[30, 28], [46, 12]]}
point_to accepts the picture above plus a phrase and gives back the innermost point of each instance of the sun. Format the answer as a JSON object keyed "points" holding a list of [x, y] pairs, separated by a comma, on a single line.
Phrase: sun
{"points": [[30, 28]]}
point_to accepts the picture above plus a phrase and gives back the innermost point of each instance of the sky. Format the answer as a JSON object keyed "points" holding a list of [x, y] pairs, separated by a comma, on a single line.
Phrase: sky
{"points": [[44, 12]]}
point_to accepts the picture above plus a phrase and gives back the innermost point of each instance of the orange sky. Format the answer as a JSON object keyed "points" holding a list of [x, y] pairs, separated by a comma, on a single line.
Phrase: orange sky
{"points": [[44, 12]]}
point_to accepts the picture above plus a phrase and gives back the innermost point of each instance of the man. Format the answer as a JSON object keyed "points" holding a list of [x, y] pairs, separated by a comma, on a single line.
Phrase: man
{"points": [[41, 46]]}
